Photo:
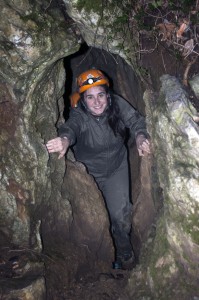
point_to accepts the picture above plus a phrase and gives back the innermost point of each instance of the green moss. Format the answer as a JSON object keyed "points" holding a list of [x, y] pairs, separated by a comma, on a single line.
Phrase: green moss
{"points": [[185, 169], [161, 103], [89, 5], [139, 17], [191, 226], [161, 248], [37, 18], [115, 23], [162, 164], [158, 247], [179, 141], [180, 115]]}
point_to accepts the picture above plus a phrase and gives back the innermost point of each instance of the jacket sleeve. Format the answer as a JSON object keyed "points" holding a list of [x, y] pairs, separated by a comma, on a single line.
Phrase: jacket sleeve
{"points": [[131, 118], [71, 127]]}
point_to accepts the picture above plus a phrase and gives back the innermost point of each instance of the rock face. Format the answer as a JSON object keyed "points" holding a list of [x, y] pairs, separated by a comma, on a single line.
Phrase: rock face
{"points": [[172, 266], [33, 40], [36, 290], [104, 25], [90, 228], [35, 218], [194, 82], [53, 222]]}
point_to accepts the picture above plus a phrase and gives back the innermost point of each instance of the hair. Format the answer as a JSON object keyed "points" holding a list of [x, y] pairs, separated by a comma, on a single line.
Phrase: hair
{"points": [[113, 112]]}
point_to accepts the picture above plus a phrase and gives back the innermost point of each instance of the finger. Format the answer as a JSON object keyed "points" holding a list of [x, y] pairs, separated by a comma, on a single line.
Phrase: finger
{"points": [[146, 152], [61, 155], [146, 143], [50, 143], [140, 152], [55, 147], [145, 147], [53, 140], [50, 146], [52, 150]]}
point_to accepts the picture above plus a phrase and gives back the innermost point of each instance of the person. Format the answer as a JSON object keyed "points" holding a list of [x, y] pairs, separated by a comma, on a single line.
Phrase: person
{"points": [[96, 128]]}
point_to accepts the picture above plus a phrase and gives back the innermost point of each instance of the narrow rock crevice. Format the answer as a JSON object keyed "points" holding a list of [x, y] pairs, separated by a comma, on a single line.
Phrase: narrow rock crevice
{"points": [[86, 245]]}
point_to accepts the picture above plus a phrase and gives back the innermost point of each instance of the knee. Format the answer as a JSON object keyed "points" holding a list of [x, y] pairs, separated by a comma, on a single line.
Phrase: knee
{"points": [[121, 225]]}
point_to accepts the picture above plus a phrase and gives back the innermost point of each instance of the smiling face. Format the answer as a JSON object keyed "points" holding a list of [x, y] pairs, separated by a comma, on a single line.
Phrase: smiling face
{"points": [[96, 100]]}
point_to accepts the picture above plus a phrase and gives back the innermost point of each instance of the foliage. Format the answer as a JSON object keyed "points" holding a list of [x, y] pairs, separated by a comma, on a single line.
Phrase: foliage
{"points": [[169, 23], [173, 24], [89, 5]]}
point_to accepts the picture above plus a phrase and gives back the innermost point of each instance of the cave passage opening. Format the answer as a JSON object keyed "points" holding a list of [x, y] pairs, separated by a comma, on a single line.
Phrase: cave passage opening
{"points": [[124, 82], [85, 248]]}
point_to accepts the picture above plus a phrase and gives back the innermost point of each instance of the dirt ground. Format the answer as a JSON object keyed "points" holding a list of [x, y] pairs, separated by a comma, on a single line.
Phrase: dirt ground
{"points": [[106, 286], [87, 284]]}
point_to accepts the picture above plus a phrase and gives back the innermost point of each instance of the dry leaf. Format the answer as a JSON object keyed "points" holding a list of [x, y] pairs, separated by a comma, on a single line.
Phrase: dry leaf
{"points": [[181, 30], [166, 29], [188, 47]]}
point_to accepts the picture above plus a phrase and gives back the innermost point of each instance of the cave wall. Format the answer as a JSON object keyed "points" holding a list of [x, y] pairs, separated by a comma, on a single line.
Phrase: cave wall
{"points": [[36, 218], [33, 42], [38, 203], [170, 264]]}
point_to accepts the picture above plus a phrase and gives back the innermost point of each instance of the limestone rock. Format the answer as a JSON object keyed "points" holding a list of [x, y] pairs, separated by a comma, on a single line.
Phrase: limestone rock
{"points": [[33, 41], [61, 218], [171, 268], [194, 82], [102, 28], [90, 228], [35, 290]]}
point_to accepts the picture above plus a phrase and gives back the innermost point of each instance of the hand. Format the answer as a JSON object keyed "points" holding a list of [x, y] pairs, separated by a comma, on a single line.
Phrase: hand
{"points": [[58, 145], [143, 145]]}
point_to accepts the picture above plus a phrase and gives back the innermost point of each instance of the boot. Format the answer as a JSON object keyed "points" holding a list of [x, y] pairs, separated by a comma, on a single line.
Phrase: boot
{"points": [[125, 261]]}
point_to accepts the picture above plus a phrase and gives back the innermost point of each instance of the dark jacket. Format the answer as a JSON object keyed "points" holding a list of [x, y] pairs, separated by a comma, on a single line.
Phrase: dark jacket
{"points": [[94, 142]]}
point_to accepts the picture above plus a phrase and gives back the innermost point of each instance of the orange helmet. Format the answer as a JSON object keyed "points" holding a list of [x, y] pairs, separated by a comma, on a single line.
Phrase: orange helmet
{"points": [[74, 99], [91, 78]]}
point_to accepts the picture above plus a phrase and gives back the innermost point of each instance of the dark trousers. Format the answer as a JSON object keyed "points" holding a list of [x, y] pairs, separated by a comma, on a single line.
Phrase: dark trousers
{"points": [[115, 190]]}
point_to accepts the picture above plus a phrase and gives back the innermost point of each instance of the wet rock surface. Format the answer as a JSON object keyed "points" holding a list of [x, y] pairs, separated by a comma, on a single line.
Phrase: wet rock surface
{"points": [[54, 230], [165, 271], [194, 82], [31, 40]]}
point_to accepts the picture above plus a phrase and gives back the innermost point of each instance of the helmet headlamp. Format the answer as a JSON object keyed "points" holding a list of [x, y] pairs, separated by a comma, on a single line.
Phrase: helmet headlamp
{"points": [[91, 80]]}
